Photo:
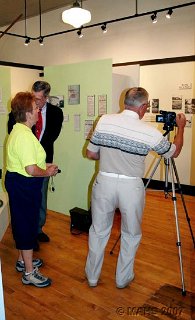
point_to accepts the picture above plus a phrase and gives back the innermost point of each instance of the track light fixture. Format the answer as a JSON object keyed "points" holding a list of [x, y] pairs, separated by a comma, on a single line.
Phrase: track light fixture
{"points": [[76, 16], [27, 41], [154, 17], [78, 5], [79, 32], [41, 41], [104, 29], [169, 13]]}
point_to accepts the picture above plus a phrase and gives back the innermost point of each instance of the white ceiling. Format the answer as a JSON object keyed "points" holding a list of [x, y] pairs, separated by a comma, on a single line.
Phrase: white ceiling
{"points": [[10, 10]]}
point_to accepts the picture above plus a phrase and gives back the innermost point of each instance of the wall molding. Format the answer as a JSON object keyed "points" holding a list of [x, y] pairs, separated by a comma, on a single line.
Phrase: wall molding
{"points": [[159, 185], [120, 64], [21, 65], [156, 61]]}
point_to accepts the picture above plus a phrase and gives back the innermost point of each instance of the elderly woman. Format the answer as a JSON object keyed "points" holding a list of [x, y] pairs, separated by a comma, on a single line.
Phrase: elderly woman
{"points": [[26, 168]]}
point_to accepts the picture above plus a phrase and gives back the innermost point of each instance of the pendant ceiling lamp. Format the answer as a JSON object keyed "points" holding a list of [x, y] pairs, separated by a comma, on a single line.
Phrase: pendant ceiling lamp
{"points": [[76, 16]]}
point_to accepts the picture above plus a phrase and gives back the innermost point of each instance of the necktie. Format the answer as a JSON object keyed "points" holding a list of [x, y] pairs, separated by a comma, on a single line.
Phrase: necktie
{"points": [[38, 127]]}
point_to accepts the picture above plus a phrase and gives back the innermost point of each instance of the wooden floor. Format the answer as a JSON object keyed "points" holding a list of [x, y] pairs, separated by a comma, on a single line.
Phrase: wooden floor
{"points": [[156, 292]]}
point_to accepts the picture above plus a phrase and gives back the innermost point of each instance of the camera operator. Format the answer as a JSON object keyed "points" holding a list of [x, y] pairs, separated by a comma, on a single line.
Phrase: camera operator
{"points": [[121, 142]]}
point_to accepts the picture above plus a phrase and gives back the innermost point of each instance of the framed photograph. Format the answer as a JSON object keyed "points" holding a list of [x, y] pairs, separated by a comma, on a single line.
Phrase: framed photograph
{"points": [[102, 104], [57, 101], [154, 104], [74, 94], [177, 103], [190, 106]]}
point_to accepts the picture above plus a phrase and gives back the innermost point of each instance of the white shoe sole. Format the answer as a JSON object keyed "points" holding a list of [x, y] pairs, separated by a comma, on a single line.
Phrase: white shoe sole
{"points": [[126, 284]]}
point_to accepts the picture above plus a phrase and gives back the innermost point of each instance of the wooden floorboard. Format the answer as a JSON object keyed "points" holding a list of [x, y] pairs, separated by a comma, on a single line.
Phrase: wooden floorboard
{"points": [[156, 292]]}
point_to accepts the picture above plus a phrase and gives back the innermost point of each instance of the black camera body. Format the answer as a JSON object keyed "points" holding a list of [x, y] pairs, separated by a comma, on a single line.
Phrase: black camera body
{"points": [[168, 118]]}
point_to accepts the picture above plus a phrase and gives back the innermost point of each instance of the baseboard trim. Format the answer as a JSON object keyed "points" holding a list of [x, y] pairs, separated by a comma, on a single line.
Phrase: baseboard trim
{"points": [[160, 185]]}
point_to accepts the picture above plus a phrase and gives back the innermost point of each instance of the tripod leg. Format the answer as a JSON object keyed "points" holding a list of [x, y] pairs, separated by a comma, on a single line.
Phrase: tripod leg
{"points": [[183, 201], [166, 161], [177, 228], [152, 173], [111, 251]]}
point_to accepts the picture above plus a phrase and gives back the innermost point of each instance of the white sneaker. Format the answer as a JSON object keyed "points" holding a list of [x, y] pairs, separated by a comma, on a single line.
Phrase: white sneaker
{"points": [[36, 278]]}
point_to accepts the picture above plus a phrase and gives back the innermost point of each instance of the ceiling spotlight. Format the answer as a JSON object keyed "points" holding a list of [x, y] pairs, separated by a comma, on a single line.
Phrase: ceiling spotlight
{"points": [[79, 32], [104, 29], [76, 16], [154, 17], [41, 41], [27, 41], [169, 13]]}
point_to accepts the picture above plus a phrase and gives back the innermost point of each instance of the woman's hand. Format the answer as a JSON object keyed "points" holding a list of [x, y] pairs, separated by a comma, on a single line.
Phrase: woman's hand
{"points": [[51, 169], [35, 171]]}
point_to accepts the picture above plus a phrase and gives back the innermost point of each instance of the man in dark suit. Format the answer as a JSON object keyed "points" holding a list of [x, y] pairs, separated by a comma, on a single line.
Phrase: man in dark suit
{"points": [[51, 124]]}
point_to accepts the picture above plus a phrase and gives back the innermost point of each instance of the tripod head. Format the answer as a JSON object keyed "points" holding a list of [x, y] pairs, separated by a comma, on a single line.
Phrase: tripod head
{"points": [[167, 133], [169, 120]]}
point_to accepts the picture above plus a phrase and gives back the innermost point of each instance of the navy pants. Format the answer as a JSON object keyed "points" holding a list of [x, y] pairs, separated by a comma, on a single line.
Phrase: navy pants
{"points": [[24, 200]]}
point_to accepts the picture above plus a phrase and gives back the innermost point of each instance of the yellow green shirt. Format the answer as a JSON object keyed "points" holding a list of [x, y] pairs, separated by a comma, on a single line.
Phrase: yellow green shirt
{"points": [[23, 149]]}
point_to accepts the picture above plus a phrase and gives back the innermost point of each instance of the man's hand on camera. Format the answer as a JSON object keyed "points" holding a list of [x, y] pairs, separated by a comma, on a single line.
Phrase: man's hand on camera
{"points": [[181, 120], [178, 140]]}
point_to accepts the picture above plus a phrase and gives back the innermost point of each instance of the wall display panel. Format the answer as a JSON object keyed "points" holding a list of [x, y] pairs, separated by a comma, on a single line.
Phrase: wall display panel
{"points": [[5, 88], [72, 185], [166, 82]]}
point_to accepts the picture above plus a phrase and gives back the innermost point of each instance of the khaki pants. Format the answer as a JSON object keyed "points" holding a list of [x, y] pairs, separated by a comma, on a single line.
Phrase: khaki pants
{"points": [[108, 194]]}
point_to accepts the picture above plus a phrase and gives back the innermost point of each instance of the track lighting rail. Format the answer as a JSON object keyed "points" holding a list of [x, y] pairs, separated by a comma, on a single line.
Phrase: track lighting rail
{"points": [[136, 15]]}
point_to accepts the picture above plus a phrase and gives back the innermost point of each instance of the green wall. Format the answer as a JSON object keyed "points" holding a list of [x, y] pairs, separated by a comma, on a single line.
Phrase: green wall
{"points": [[72, 185], [5, 87]]}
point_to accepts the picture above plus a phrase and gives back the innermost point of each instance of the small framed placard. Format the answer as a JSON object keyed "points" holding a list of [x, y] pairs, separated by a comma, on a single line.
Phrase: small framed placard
{"points": [[89, 125], [102, 104], [77, 122], [91, 106]]}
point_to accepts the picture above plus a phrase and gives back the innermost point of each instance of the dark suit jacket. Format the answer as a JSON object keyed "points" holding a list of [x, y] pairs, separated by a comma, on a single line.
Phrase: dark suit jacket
{"points": [[54, 119]]}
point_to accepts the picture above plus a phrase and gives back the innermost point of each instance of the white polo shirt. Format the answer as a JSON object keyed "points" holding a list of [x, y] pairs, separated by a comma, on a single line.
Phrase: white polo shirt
{"points": [[124, 141]]}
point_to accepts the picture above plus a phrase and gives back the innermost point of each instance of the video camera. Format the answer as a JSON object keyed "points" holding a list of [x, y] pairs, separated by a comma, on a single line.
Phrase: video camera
{"points": [[168, 118]]}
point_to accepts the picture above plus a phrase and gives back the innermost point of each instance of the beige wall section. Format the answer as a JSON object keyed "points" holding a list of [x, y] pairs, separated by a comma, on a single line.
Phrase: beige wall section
{"points": [[122, 78], [22, 79], [192, 173], [164, 82]]}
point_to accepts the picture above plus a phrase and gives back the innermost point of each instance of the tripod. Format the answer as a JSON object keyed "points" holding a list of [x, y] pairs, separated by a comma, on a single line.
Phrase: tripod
{"points": [[170, 167]]}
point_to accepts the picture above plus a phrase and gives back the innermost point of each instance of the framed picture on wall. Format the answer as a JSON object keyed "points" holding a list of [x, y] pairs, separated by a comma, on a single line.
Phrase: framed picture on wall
{"points": [[91, 106], [77, 122], [57, 101], [102, 104], [154, 103], [74, 94], [88, 130], [190, 106], [177, 103]]}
